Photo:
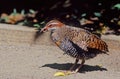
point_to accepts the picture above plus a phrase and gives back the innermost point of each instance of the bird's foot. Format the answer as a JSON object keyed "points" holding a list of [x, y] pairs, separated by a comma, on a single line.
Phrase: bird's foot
{"points": [[70, 72]]}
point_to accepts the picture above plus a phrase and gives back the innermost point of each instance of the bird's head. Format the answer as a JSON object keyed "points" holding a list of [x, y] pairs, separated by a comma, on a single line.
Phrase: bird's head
{"points": [[52, 25]]}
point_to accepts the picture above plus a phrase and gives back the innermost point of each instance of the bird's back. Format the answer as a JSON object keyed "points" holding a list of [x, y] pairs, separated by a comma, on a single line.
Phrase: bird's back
{"points": [[78, 42]]}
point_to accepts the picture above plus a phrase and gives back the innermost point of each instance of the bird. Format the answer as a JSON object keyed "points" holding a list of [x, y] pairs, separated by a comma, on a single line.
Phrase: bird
{"points": [[75, 42]]}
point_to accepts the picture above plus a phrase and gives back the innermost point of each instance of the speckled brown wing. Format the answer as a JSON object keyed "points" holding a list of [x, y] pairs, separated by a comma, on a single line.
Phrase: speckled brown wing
{"points": [[95, 42], [78, 42], [87, 40]]}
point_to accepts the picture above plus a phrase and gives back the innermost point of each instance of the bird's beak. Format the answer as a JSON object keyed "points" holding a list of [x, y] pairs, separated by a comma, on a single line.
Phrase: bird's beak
{"points": [[43, 30]]}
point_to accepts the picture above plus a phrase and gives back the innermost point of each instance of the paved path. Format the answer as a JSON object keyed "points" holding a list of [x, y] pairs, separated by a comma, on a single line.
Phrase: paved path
{"points": [[23, 61], [20, 60]]}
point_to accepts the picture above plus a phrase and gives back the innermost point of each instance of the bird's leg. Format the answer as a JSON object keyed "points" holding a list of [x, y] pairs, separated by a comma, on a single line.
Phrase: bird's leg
{"points": [[70, 71], [83, 61], [76, 61]]}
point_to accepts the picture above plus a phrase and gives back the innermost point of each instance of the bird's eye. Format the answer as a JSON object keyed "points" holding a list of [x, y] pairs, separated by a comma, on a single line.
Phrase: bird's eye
{"points": [[50, 25]]}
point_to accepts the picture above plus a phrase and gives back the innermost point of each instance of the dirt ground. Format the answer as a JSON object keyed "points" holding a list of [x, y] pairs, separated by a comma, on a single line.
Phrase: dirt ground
{"points": [[24, 61]]}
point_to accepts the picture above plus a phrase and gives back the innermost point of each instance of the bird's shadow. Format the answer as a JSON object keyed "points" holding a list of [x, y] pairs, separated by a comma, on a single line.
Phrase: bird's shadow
{"points": [[66, 66]]}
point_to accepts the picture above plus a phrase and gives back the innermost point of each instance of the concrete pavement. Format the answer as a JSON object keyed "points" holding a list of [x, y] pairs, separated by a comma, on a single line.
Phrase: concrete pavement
{"points": [[21, 60]]}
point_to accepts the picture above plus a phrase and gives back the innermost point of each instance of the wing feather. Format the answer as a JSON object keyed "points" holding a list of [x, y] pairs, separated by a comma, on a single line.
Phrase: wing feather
{"points": [[85, 40]]}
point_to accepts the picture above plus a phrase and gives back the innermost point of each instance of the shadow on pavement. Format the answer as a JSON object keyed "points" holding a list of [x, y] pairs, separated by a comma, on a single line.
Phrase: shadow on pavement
{"points": [[66, 66]]}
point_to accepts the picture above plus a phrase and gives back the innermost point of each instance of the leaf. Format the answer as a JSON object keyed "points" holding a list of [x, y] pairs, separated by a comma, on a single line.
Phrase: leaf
{"points": [[14, 11], [23, 12], [62, 73], [32, 11], [83, 15], [59, 74], [36, 25], [97, 14], [99, 65], [6, 19], [118, 23], [43, 22], [20, 23], [116, 6]]}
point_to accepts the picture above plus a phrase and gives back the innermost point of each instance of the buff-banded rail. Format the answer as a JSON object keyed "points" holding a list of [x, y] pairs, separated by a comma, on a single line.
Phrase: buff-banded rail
{"points": [[75, 42]]}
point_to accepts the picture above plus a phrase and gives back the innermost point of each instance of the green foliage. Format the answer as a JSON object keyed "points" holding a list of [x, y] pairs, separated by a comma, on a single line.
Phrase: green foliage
{"points": [[97, 16], [32, 11], [23, 12], [116, 6], [37, 25], [20, 18], [83, 15]]}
